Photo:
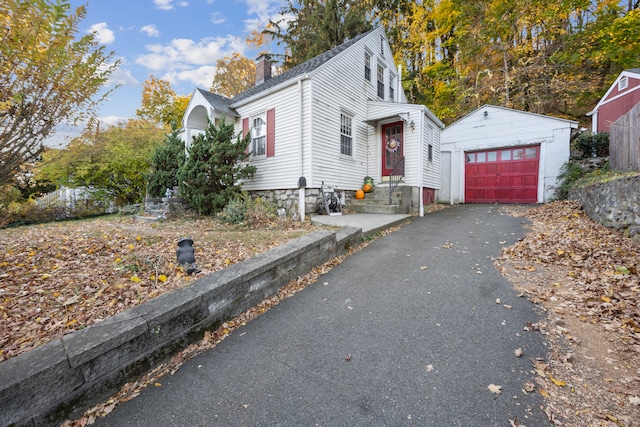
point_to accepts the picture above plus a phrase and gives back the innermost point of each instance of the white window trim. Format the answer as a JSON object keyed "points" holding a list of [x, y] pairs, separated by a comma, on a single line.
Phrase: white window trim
{"points": [[392, 87], [378, 81], [370, 67], [623, 83], [351, 135], [263, 135]]}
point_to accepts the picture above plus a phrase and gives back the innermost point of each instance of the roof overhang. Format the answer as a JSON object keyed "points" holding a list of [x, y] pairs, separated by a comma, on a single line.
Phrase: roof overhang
{"points": [[373, 121]]}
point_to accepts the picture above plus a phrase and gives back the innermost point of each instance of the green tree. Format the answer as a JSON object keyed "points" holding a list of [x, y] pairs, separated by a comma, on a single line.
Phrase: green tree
{"points": [[165, 164], [209, 177], [113, 164], [160, 103], [318, 26], [47, 76]]}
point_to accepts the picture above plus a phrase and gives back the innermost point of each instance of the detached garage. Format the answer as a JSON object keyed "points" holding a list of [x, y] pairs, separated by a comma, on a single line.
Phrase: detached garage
{"points": [[500, 155]]}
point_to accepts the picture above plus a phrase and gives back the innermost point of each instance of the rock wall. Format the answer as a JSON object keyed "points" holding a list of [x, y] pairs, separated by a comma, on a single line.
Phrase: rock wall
{"points": [[614, 204]]}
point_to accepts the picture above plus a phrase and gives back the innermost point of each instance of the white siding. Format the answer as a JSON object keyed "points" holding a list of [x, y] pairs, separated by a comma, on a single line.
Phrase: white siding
{"points": [[431, 169], [504, 127], [340, 86], [283, 169]]}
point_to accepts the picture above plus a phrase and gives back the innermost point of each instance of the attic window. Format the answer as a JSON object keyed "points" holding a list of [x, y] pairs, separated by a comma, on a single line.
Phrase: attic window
{"points": [[367, 66], [380, 81], [392, 87], [623, 83]]}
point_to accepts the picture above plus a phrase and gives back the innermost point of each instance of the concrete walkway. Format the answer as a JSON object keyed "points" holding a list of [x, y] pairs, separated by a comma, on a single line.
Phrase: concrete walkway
{"points": [[405, 332], [369, 223]]}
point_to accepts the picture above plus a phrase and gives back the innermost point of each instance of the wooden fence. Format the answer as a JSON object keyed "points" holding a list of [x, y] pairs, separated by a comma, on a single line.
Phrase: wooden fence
{"points": [[624, 141]]}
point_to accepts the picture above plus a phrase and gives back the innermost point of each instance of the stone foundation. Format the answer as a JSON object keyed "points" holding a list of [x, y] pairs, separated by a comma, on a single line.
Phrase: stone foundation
{"points": [[288, 199]]}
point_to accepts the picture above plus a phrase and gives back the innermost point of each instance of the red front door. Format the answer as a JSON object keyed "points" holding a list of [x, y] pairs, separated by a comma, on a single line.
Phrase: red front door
{"points": [[392, 146]]}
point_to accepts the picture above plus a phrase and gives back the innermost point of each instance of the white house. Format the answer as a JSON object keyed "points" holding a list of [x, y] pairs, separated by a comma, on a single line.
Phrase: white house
{"points": [[500, 155], [336, 118]]}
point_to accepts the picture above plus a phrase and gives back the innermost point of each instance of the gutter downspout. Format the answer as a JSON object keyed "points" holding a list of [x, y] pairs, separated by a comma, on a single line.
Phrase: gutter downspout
{"points": [[420, 163], [301, 190]]}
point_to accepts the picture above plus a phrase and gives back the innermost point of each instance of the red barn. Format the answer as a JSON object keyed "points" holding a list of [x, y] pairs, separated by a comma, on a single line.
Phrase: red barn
{"points": [[621, 97]]}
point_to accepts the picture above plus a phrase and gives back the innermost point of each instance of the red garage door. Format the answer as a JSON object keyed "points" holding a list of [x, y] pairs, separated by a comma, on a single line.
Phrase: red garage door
{"points": [[507, 175]]}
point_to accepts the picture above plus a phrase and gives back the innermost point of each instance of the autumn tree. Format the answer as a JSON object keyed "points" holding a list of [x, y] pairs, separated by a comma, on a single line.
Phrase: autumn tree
{"points": [[234, 75], [209, 177], [112, 164], [47, 76], [318, 26], [160, 103], [165, 163]]}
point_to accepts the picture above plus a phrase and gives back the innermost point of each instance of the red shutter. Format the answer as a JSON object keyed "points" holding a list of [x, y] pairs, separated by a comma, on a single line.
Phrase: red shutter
{"points": [[271, 132], [245, 131]]}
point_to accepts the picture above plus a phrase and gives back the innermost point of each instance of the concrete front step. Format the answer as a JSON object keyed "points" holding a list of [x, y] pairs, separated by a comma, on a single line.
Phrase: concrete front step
{"points": [[370, 206]]}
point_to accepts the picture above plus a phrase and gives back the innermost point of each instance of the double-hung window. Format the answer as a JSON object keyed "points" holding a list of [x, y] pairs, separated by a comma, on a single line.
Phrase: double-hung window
{"points": [[258, 136], [367, 66], [380, 81], [346, 135], [392, 88]]}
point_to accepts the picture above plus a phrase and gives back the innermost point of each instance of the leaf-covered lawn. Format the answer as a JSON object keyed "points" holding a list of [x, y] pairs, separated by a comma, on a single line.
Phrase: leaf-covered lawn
{"points": [[585, 277], [56, 278]]}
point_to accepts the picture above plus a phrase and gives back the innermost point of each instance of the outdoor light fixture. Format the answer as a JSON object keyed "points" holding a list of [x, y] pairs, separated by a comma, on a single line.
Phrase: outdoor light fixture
{"points": [[486, 113], [413, 125], [186, 258]]}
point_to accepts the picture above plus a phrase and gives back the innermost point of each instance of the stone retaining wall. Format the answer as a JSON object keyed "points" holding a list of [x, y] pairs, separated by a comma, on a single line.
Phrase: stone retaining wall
{"points": [[63, 378], [614, 204]]}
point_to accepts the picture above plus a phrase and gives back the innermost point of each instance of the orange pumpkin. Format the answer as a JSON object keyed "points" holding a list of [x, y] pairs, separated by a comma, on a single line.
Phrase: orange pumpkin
{"points": [[359, 194], [367, 188]]}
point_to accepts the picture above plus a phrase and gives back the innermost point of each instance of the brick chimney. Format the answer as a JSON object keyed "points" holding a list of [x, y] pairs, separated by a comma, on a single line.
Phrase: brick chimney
{"points": [[263, 68]]}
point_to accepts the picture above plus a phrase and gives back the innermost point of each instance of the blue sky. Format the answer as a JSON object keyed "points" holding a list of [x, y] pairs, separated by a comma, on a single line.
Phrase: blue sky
{"points": [[175, 40]]}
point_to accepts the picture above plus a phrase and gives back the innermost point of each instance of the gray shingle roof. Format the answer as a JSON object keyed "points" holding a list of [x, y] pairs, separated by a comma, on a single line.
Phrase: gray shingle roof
{"points": [[218, 102], [634, 70], [305, 67]]}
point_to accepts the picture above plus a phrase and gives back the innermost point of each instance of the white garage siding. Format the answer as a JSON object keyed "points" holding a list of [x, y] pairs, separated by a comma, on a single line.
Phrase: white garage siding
{"points": [[503, 127]]}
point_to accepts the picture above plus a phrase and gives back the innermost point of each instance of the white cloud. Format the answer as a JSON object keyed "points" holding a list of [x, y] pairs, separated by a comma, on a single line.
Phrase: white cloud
{"points": [[163, 4], [200, 77], [264, 10], [150, 30], [217, 18], [122, 77], [103, 34], [168, 4], [113, 120], [185, 54]]}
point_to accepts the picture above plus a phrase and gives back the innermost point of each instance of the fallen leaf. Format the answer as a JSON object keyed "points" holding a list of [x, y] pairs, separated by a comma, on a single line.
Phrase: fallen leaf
{"points": [[348, 358], [424, 267], [498, 301], [634, 400], [557, 382], [543, 392], [157, 384], [107, 409], [429, 368], [135, 279], [518, 352], [495, 389]]}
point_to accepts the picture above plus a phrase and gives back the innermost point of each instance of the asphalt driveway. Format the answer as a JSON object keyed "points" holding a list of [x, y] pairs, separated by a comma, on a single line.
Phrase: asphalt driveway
{"points": [[405, 332]]}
